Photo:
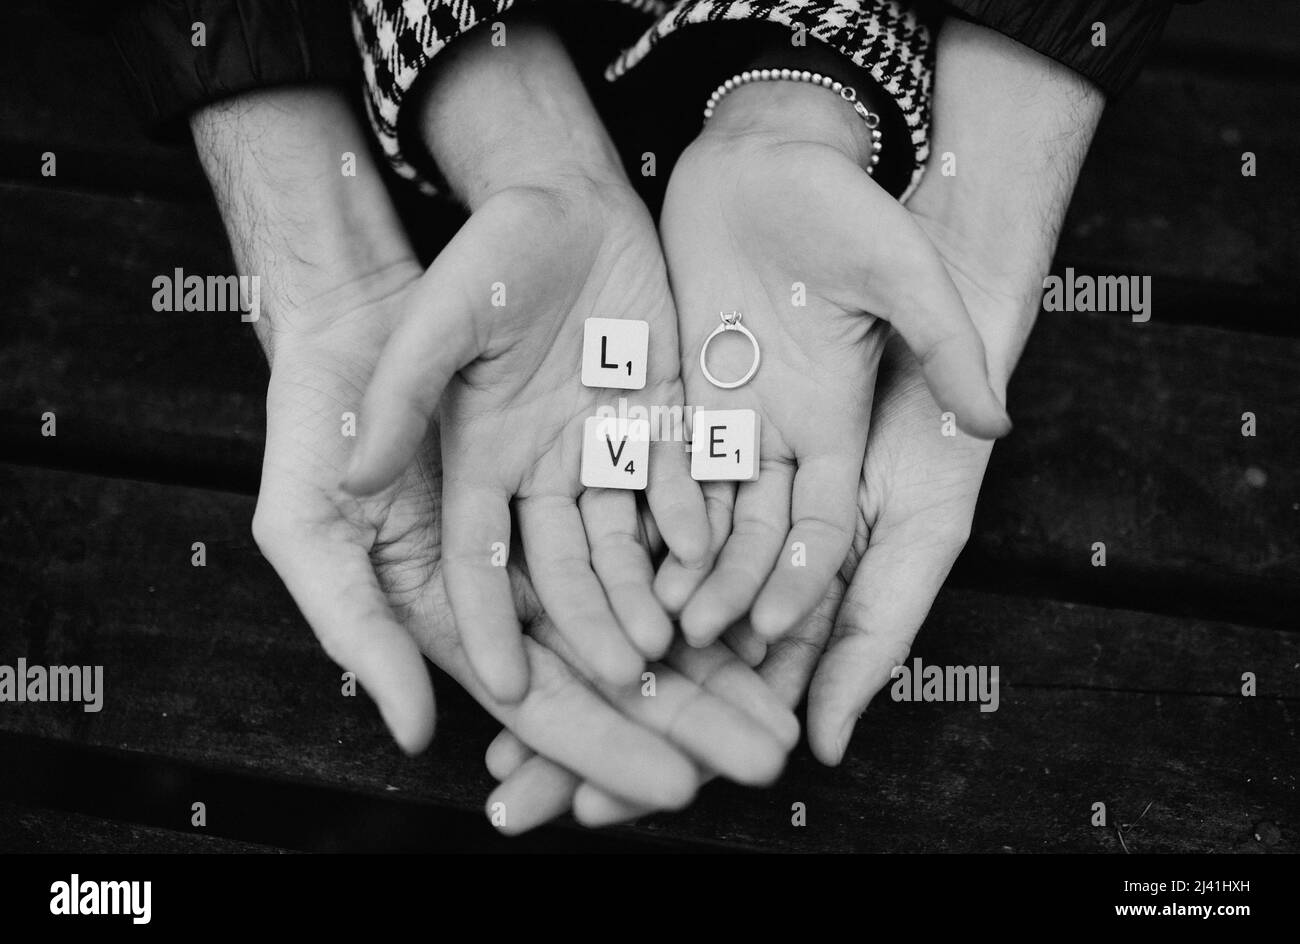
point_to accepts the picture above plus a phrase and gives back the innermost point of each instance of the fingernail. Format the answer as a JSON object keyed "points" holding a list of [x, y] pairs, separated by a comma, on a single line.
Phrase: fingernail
{"points": [[842, 742]]}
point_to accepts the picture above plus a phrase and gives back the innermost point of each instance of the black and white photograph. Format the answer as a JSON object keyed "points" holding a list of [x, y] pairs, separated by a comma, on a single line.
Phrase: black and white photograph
{"points": [[650, 426]]}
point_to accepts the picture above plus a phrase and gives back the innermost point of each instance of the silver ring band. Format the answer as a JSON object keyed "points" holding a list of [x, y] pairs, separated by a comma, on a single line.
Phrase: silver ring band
{"points": [[730, 322]]}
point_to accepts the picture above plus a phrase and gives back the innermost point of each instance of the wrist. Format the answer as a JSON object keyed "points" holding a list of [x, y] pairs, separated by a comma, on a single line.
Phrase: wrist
{"points": [[793, 111], [800, 111], [303, 204], [514, 115], [1020, 125]]}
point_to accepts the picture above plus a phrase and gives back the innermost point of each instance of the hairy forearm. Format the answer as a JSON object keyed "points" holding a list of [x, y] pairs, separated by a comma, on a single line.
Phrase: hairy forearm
{"points": [[1009, 135], [302, 201], [517, 114]]}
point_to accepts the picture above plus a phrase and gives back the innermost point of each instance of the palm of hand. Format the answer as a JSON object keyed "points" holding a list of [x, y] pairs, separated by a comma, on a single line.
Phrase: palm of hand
{"points": [[765, 227], [513, 423], [920, 482], [514, 417], [369, 576], [319, 539]]}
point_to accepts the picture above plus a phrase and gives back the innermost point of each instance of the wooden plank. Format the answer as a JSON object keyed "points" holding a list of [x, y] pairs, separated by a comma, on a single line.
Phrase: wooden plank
{"points": [[156, 793], [1162, 194], [212, 666], [1131, 435], [121, 378], [26, 829], [1236, 35], [1126, 433]]}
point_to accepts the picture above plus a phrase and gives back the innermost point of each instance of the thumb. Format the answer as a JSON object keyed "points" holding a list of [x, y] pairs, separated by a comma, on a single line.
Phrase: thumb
{"points": [[886, 603], [907, 283], [335, 587], [436, 337]]}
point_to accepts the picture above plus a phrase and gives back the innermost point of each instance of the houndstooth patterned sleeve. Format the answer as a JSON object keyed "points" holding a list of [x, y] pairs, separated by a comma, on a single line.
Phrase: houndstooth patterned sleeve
{"points": [[883, 37], [398, 39]]}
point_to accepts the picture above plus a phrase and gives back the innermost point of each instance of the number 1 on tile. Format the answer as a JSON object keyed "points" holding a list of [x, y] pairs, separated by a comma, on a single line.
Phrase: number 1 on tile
{"points": [[724, 446]]}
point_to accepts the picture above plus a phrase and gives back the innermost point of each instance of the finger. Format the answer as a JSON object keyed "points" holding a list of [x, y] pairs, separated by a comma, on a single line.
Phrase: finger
{"points": [[708, 729], [759, 526], [536, 793], [712, 731], [559, 560], [886, 602], [653, 539], [676, 581], [786, 672], [744, 642], [920, 300], [677, 503], [334, 585], [717, 670], [791, 660], [824, 507], [622, 564], [438, 335], [476, 540], [506, 754], [593, 807], [566, 721]]}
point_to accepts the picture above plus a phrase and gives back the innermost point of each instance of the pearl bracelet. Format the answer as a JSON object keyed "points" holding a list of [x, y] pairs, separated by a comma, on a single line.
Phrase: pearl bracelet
{"points": [[845, 92]]}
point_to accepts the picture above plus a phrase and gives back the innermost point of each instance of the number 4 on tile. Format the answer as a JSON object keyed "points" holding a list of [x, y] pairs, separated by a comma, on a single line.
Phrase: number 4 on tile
{"points": [[615, 452], [614, 353], [724, 446]]}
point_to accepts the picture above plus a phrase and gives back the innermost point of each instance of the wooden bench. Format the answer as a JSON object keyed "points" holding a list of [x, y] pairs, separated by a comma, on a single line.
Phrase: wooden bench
{"points": [[1120, 685]]}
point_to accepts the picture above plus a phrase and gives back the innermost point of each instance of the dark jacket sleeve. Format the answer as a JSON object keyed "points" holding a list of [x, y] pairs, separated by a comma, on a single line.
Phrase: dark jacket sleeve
{"points": [[245, 44], [1064, 30]]}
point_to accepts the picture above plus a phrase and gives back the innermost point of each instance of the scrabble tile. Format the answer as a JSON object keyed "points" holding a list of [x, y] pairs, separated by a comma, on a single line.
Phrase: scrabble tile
{"points": [[724, 446], [615, 452], [614, 353]]}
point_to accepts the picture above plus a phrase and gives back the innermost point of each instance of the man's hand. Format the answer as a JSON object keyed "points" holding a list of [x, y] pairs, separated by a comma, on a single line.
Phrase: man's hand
{"points": [[492, 338], [368, 575], [1020, 125]]}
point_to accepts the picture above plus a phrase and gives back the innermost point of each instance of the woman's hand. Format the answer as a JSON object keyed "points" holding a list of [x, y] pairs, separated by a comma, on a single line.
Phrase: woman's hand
{"points": [[491, 338], [770, 212]]}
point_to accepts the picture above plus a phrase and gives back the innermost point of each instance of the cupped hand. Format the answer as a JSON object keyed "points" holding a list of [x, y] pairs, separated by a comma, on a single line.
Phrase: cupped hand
{"points": [[538, 789], [368, 574], [916, 495], [1022, 124], [491, 339], [770, 212]]}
